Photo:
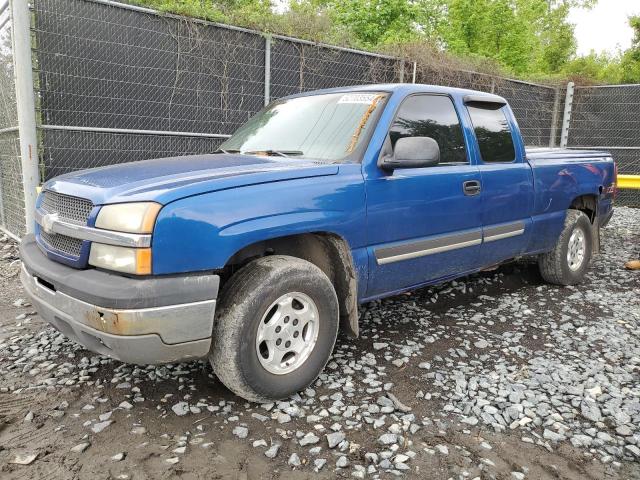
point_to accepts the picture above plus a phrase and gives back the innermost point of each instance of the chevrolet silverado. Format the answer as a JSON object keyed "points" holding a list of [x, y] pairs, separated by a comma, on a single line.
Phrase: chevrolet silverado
{"points": [[254, 255]]}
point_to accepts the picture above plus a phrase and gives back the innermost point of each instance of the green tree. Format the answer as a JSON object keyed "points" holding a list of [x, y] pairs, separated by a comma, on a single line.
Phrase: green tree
{"points": [[526, 36], [380, 22], [558, 43], [630, 62], [618, 67], [599, 68]]}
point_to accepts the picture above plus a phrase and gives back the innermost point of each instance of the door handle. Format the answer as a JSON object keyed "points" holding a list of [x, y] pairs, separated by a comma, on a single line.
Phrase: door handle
{"points": [[472, 187]]}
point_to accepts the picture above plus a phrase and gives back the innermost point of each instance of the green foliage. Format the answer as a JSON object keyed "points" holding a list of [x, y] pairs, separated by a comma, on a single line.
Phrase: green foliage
{"points": [[381, 22], [525, 38], [558, 43], [598, 68], [502, 30], [630, 60], [620, 67]]}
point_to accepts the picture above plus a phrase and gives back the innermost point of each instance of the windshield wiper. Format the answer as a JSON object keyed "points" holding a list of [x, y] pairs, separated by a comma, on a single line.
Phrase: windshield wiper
{"points": [[222, 150], [273, 153]]}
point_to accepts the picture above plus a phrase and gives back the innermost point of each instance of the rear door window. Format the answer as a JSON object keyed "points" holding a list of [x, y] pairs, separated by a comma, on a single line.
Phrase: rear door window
{"points": [[493, 133]]}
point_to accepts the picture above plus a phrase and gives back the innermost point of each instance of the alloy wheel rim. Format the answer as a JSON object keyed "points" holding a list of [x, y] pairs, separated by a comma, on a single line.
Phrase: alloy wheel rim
{"points": [[287, 333]]}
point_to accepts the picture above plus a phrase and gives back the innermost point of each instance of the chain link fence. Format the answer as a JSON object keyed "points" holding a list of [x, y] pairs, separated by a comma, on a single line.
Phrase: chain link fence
{"points": [[299, 66], [608, 118], [12, 217], [109, 67], [120, 83], [117, 83]]}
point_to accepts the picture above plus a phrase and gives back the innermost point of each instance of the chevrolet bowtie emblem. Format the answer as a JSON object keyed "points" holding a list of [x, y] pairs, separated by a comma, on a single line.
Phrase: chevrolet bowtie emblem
{"points": [[48, 221]]}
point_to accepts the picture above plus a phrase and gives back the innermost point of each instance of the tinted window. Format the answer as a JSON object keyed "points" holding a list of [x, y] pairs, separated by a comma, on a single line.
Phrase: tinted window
{"points": [[431, 116], [493, 133]]}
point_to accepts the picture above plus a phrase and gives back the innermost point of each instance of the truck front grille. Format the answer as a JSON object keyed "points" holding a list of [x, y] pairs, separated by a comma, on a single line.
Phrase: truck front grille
{"points": [[67, 245], [70, 209]]}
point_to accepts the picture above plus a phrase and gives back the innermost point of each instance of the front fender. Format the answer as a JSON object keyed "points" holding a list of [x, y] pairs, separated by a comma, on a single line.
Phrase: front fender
{"points": [[202, 232]]}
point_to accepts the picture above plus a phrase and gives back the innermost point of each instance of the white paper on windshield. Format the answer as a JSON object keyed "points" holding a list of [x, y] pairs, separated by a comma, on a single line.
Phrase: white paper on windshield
{"points": [[362, 98]]}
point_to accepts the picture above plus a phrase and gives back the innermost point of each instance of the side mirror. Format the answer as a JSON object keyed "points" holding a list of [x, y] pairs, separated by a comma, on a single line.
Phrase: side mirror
{"points": [[412, 152]]}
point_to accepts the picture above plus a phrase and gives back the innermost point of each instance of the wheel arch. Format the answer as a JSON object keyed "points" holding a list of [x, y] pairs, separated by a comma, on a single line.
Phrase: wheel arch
{"points": [[588, 204], [328, 251]]}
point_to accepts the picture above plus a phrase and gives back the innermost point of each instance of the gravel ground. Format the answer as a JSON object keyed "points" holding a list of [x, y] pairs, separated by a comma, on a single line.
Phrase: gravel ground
{"points": [[497, 375]]}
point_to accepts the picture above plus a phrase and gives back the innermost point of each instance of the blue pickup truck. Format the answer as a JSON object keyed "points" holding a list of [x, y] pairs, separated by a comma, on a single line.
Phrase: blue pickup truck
{"points": [[255, 255]]}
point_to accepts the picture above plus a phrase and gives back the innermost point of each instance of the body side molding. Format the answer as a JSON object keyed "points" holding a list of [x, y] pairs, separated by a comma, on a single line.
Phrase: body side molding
{"points": [[506, 230], [427, 246]]}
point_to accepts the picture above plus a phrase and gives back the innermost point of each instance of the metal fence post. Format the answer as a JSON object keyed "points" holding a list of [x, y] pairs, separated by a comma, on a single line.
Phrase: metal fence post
{"points": [[566, 118], [25, 99], [3, 7], [267, 69], [554, 118], [415, 67], [401, 73]]}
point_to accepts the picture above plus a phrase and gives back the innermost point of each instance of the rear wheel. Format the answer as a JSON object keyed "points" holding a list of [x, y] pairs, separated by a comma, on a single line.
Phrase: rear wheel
{"points": [[568, 262], [276, 325]]}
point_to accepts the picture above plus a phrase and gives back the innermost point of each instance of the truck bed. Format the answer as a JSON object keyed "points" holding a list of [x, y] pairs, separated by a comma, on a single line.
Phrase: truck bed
{"points": [[569, 154]]}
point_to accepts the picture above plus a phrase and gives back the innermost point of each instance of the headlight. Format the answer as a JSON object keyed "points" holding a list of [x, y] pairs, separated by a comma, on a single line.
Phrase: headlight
{"points": [[136, 261], [129, 217]]}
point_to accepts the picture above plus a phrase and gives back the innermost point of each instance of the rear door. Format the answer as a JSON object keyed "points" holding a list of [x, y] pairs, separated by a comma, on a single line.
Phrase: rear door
{"points": [[507, 182], [421, 223]]}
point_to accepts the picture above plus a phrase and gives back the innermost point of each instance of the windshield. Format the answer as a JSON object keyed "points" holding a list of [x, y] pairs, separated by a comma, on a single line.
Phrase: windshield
{"points": [[326, 127]]}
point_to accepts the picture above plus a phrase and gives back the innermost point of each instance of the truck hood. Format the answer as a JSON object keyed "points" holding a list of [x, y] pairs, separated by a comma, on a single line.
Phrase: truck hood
{"points": [[167, 179]]}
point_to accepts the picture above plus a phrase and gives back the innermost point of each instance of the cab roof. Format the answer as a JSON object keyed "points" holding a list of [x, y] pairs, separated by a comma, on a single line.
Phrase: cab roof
{"points": [[408, 89]]}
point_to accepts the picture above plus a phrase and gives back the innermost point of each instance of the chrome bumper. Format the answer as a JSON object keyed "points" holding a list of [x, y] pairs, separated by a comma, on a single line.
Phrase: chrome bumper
{"points": [[143, 336]]}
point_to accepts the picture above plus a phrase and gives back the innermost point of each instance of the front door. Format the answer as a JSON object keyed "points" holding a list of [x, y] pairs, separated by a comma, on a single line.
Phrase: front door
{"points": [[424, 224]]}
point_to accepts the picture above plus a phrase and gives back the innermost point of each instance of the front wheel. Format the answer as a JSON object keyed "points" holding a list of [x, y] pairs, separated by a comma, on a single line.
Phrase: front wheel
{"points": [[275, 328], [568, 262]]}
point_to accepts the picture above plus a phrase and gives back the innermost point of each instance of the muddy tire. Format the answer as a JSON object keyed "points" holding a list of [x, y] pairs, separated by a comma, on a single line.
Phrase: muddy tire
{"points": [[569, 261], [275, 328]]}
